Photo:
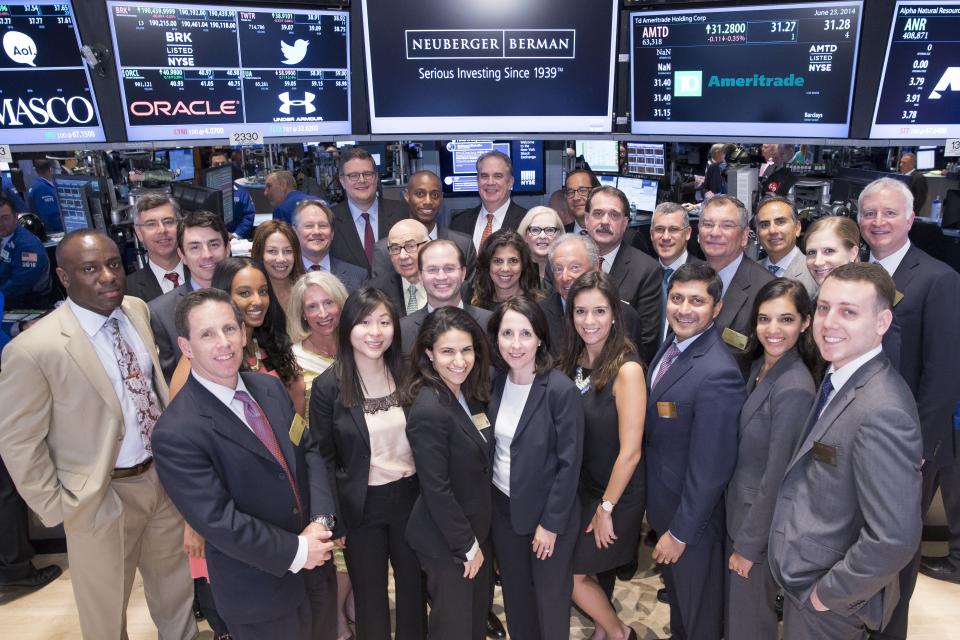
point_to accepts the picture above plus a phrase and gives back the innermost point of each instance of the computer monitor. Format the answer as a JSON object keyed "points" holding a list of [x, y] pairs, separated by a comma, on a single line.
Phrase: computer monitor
{"points": [[926, 158], [74, 199], [182, 160], [644, 159], [222, 178], [601, 155], [607, 181], [193, 197], [641, 193]]}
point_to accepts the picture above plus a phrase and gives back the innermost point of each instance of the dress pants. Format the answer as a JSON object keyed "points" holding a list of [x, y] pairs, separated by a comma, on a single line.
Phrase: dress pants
{"points": [[136, 527], [458, 605], [806, 623], [695, 589], [379, 538], [293, 626], [16, 552], [751, 602], [322, 594], [536, 593]]}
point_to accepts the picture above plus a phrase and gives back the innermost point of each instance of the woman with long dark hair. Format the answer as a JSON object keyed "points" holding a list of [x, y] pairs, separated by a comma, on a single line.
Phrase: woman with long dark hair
{"points": [[360, 425], [276, 246], [782, 390], [450, 436], [504, 269]]}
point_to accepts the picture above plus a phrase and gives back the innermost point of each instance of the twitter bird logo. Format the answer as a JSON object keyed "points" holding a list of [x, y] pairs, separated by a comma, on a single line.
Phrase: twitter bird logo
{"points": [[294, 53]]}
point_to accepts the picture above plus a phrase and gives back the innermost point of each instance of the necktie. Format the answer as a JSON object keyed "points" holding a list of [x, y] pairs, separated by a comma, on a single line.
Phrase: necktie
{"points": [[487, 230], [583, 232], [139, 388], [826, 388], [368, 240], [774, 269], [671, 354], [264, 432], [601, 263], [316, 267], [412, 305], [173, 277], [663, 288]]}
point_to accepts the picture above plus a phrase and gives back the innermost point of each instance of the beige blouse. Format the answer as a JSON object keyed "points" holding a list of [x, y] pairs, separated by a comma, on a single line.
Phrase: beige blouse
{"points": [[390, 455]]}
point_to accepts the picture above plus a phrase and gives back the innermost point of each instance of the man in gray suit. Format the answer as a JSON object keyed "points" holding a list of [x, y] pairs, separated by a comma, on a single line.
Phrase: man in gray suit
{"points": [[313, 222], [847, 517], [669, 234], [778, 227]]}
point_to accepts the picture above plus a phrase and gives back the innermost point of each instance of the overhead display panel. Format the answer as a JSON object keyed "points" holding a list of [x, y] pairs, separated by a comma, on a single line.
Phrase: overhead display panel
{"points": [[766, 70], [455, 66], [919, 93], [201, 71], [45, 92]]}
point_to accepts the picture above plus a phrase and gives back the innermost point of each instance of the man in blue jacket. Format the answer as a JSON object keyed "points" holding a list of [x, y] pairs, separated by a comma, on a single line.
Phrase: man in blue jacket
{"points": [[244, 212], [24, 266], [10, 193], [43, 196]]}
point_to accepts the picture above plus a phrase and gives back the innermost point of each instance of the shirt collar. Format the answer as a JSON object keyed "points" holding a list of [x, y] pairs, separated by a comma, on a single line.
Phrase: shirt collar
{"points": [[431, 309], [839, 377], [726, 274], [683, 344], [676, 264], [90, 321], [609, 258], [499, 214], [892, 261], [324, 262], [355, 211], [221, 392], [161, 272], [785, 260], [577, 228]]}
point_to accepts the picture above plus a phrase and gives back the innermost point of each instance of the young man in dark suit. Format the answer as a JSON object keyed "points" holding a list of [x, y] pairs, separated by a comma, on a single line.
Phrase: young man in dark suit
{"points": [[496, 210], [155, 224], [313, 222]]}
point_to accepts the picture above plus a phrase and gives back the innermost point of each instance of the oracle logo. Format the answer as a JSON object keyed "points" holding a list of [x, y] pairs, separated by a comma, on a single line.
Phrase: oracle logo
{"points": [[15, 112], [146, 108]]}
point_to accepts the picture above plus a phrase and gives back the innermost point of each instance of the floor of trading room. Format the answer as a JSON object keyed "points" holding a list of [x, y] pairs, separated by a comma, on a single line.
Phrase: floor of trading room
{"points": [[50, 614]]}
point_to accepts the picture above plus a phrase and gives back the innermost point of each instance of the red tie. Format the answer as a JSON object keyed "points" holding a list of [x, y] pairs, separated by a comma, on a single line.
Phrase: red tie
{"points": [[368, 240], [173, 277], [487, 230]]}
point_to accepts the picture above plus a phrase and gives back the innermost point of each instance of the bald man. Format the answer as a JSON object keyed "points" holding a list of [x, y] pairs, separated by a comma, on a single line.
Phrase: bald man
{"points": [[402, 283]]}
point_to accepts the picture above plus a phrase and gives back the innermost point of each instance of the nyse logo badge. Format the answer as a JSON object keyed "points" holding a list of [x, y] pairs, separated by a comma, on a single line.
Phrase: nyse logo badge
{"points": [[687, 84], [950, 80], [295, 53], [307, 103]]}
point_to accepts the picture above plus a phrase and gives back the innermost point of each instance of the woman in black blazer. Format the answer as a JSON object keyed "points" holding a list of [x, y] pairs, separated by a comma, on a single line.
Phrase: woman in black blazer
{"points": [[451, 439], [772, 420], [357, 419], [538, 424]]}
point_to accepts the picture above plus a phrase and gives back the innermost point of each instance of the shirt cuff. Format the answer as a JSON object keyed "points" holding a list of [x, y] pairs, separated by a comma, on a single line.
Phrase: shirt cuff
{"points": [[473, 551], [301, 558], [676, 538]]}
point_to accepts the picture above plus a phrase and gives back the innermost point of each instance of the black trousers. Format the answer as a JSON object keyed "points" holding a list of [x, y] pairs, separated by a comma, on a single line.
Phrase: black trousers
{"points": [[322, 594], [16, 552], [695, 589], [458, 605], [378, 539], [295, 626]]}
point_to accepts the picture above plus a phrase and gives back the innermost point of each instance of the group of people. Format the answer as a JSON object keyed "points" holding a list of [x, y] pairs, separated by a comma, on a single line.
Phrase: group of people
{"points": [[507, 396]]}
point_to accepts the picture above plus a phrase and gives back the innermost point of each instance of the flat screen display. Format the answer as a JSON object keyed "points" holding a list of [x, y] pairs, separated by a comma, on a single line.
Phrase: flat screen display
{"points": [[640, 192], [644, 159], [458, 164], [768, 70], [601, 155], [182, 159], [446, 66], [926, 159], [919, 93], [45, 92], [201, 71]]}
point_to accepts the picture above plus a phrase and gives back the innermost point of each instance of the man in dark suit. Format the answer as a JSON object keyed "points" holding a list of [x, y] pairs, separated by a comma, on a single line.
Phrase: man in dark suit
{"points": [[669, 234], [577, 188], [313, 222], [281, 192], [693, 409], [442, 270], [202, 242], [155, 224], [724, 229], [246, 474], [634, 272], [918, 181], [926, 312], [424, 197], [847, 517], [402, 283], [496, 210], [363, 218]]}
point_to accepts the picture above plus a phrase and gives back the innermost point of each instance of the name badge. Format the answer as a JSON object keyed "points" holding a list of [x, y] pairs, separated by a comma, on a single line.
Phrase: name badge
{"points": [[667, 409], [825, 453], [897, 297], [734, 339], [480, 421], [296, 429]]}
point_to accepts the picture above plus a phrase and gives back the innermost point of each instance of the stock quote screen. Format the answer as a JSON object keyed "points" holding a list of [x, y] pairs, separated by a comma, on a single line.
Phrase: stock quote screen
{"points": [[197, 71], [770, 70]]}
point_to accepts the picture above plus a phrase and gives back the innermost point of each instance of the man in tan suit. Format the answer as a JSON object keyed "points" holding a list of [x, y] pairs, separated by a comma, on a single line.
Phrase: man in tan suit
{"points": [[78, 412]]}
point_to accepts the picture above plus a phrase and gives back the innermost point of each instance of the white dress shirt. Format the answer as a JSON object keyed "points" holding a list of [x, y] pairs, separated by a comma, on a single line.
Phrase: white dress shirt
{"points": [[839, 377], [360, 223], [892, 261], [498, 217], [782, 264], [159, 273], [608, 259], [726, 274], [324, 262]]}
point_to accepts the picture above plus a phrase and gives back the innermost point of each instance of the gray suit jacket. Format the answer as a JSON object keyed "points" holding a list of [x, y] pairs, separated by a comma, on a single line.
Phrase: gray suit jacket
{"points": [[847, 518], [352, 276], [381, 258], [797, 270], [162, 311], [143, 284], [738, 303], [410, 325]]}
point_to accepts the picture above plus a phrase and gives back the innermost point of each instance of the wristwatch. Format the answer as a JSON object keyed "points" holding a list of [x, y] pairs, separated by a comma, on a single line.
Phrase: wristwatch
{"points": [[326, 519], [607, 506]]}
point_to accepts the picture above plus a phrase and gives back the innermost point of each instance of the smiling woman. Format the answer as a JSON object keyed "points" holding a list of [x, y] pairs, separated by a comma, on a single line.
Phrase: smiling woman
{"points": [[505, 269]]}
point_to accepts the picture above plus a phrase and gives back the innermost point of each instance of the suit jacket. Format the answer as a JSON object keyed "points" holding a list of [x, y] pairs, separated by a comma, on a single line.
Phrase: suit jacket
{"points": [[691, 457], [930, 346], [557, 322], [143, 284], [638, 278], [410, 325], [771, 423], [465, 221], [381, 257], [738, 303], [545, 453], [231, 489], [352, 276], [454, 467], [797, 270], [392, 286], [847, 518], [62, 423], [347, 244], [918, 187], [162, 321]]}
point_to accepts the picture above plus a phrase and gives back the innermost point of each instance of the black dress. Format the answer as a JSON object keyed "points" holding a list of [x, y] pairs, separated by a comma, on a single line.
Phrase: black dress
{"points": [[601, 446]]}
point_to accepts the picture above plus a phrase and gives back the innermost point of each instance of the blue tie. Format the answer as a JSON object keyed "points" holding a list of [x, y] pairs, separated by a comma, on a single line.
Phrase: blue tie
{"points": [[826, 388], [774, 269], [663, 288]]}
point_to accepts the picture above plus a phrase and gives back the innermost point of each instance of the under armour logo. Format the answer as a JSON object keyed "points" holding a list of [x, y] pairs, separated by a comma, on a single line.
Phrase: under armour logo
{"points": [[306, 103]]}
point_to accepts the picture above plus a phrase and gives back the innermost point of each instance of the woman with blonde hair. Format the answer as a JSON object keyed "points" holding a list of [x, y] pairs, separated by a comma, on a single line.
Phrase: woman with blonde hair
{"points": [[538, 229]]}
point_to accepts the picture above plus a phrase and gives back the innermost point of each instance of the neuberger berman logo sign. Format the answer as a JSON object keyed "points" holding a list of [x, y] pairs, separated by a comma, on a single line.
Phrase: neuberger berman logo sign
{"points": [[437, 44]]}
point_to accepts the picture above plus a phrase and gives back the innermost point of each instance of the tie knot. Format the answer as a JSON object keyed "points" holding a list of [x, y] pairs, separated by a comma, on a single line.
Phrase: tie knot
{"points": [[316, 267], [173, 277], [244, 398], [672, 352], [667, 273], [490, 217], [113, 325], [827, 386], [774, 269], [366, 216]]}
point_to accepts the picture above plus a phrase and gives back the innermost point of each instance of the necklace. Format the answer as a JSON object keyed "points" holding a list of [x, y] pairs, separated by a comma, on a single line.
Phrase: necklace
{"points": [[582, 382], [255, 366], [318, 351]]}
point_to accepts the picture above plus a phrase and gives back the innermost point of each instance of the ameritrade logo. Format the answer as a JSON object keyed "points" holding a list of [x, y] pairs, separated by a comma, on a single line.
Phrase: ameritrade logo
{"points": [[41, 112], [286, 103], [147, 108], [949, 81], [756, 80], [457, 44], [687, 84]]}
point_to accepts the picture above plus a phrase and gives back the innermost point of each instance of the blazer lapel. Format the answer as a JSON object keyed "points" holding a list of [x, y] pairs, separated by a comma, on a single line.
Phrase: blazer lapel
{"points": [[904, 273], [493, 407], [762, 391], [466, 424], [268, 404], [537, 392], [82, 352], [735, 297], [621, 265], [360, 423], [347, 234], [225, 422]]}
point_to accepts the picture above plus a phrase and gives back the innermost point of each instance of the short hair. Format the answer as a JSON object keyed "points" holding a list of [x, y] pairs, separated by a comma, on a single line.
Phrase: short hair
{"points": [[154, 200], [441, 243], [870, 273], [884, 184], [43, 165], [593, 252], [782, 200], [78, 234], [422, 372], [297, 326], [496, 154], [668, 208], [911, 156], [262, 234], [355, 153], [420, 173], [194, 299], [613, 192], [594, 181], [698, 272], [309, 202], [534, 313], [723, 199], [533, 213], [202, 218], [843, 227], [7, 202], [285, 178]]}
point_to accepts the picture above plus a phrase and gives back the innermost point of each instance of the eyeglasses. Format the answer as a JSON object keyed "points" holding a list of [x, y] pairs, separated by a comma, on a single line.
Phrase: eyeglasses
{"points": [[613, 214], [410, 247], [671, 231], [153, 225], [357, 175], [726, 225], [583, 192], [447, 270], [547, 231]]}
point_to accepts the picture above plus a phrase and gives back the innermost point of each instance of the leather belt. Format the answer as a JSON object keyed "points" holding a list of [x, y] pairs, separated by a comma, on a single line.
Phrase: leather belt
{"points": [[129, 472]]}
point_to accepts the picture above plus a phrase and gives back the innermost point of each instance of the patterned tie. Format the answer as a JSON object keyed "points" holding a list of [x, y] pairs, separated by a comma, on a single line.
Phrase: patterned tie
{"points": [[774, 269], [412, 304], [826, 388], [264, 432], [671, 354], [139, 388], [487, 230], [368, 240], [173, 277], [316, 267]]}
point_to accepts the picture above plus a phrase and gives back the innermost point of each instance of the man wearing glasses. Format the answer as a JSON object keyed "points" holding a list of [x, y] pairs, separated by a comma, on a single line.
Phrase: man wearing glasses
{"points": [[281, 192], [496, 210], [402, 283], [155, 224], [363, 218], [579, 184], [669, 233]]}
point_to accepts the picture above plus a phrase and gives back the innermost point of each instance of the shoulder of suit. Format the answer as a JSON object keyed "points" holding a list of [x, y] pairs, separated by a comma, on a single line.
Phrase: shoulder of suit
{"points": [[928, 261], [466, 212], [135, 305], [168, 299]]}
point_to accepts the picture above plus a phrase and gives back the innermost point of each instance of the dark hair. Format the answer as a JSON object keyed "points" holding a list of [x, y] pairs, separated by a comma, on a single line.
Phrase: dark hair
{"points": [[272, 334], [267, 229], [441, 243], [355, 153], [541, 328], [617, 347], [484, 292], [422, 372], [788, 288], [7, 202], [43, 165], [194, 299], [698, 272], [613, 192], [772, 199], [154, 200], [871, 273], [202, 218], [594, 181], [358, 306]]}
